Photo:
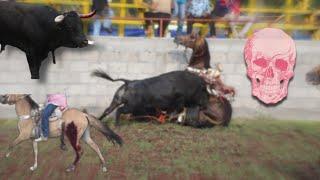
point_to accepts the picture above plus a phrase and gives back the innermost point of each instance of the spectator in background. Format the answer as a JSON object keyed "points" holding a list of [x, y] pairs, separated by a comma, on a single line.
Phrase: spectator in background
{"points": [[197, 9], [104, 13], [220, 10], [158, 9], [230, 10], [180, 11]]}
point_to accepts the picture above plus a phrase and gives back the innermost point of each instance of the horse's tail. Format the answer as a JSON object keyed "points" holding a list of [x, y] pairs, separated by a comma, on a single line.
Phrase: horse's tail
{"points": [[227, 108], [101, 74], [105, 130]]}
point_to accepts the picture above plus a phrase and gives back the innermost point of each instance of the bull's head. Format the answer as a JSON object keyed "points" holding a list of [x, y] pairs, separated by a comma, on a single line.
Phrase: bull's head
{"points": [[3, 99], [72, 27]]}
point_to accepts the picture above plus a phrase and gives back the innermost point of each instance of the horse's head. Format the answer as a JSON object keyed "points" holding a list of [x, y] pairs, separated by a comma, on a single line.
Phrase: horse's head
{"points": [[200, 57], [313, 76], [11, 98], [193, 41]]}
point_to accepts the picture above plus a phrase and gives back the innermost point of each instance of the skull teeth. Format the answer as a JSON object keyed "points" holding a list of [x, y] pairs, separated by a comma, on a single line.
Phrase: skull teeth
{"points": [[271, 89]]}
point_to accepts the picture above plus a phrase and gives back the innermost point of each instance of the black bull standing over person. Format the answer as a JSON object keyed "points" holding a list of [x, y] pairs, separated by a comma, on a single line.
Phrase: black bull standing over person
{"points": [[169, 92], [38, 30]]}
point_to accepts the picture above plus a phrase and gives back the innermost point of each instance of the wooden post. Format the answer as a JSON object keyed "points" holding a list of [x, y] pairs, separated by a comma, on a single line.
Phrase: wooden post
{"points": [[252, 5], [123, 11], [86, 9], [161, 28], [305, 4], [288, 6]]}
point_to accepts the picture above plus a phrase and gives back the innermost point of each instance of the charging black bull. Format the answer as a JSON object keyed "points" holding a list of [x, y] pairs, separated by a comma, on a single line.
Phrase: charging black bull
{"points": [[38, 30], [169, 92]]}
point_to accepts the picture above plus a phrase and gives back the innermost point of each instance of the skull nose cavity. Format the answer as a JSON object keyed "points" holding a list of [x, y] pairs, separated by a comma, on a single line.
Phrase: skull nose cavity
{"points": [[269, 73]]}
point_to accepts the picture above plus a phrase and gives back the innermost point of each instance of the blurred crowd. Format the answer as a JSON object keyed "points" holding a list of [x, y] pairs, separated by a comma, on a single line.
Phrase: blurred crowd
{"points": [[196, 11]]}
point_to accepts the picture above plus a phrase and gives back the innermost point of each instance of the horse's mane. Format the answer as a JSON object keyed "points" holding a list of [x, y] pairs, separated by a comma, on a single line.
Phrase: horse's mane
{"points": [[32, 103]]}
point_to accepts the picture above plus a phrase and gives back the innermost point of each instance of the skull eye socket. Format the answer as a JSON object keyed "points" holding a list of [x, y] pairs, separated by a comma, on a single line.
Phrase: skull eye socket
{"points": [[261, 62], [281, 64]]}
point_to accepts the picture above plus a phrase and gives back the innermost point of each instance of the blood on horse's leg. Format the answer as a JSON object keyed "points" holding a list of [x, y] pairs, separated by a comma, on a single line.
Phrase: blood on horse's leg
{"points": [[72, 133]]}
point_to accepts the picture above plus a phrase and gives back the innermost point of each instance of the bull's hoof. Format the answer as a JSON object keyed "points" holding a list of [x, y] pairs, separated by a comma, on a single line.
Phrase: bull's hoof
{"points": [[71, 168], [35, 76]]}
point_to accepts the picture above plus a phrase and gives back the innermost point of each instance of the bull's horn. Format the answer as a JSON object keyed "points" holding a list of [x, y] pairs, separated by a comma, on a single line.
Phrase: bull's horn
{"points": [[90, 42], [89, 15], [59, 18]]}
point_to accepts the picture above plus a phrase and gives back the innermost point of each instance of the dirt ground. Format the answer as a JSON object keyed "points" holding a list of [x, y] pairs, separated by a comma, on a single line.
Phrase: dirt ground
{"points": [[247, 149]]}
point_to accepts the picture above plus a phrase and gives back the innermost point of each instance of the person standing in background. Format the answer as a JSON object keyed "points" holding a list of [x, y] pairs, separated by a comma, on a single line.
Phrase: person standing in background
{"points": [[197, 9], [103, 15], [158, 9], [220, 10], [230, 10], [180, 12]]}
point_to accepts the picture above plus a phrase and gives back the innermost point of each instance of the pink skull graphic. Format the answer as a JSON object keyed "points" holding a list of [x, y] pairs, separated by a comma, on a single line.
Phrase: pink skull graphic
{"points": [[270, 56]]}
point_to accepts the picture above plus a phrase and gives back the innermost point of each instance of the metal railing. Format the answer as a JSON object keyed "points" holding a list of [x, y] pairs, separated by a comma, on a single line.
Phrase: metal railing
{"points": [[289, 11]]}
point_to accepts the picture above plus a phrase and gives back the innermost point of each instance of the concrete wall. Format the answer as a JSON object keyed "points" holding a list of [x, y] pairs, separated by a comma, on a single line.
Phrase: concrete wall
{"points": [[137, 58]]}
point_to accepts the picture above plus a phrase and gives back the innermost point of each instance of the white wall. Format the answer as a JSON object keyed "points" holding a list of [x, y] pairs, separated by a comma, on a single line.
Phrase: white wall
{"points": [[136, 58]]}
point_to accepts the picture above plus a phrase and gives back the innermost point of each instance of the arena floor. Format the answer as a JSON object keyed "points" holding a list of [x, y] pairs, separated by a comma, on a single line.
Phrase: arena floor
{"points": [[247, 149]]}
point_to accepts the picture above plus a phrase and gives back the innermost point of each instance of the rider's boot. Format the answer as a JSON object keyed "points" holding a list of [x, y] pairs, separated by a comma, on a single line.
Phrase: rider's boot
{"points": [[41, 138]]}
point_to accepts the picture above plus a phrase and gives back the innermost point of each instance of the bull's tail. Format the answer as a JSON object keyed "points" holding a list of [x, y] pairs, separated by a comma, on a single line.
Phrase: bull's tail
{"points": [[105, 130], [101, 74]]}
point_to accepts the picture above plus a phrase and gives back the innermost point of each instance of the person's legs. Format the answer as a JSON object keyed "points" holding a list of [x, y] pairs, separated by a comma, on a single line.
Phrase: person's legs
{"points": [[165, 23], [47, 112], [189, 25], [218, 12], [107, 21], [232, 22], [212, 25], [176, 9], [181, 16], [247, 26], [96, 27], [148, 23]]}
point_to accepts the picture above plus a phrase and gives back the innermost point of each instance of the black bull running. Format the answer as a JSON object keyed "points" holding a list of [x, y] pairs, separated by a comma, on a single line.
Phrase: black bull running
{"points": [[169, 92], [38, 30]]}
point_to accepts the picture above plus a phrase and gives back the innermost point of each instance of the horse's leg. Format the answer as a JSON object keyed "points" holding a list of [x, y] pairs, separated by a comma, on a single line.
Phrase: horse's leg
{"points": [[17, 141], [74, 134], [62, 143], [213, 116], [86, 137], [35, 150]]}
